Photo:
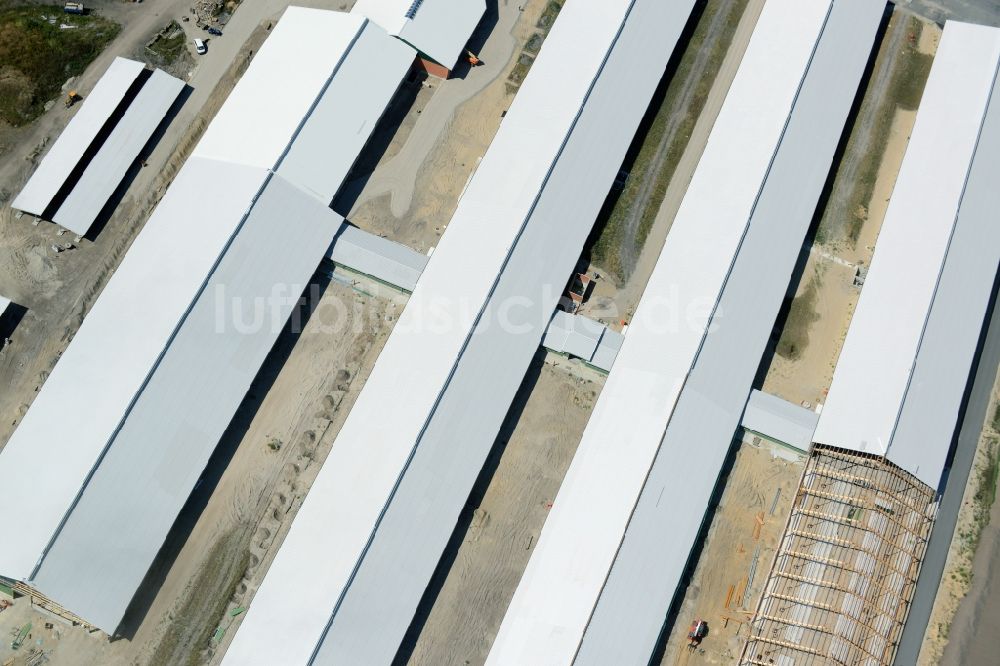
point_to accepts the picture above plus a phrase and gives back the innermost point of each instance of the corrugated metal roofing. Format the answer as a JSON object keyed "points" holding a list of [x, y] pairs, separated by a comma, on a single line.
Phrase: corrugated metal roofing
{"points": [[74, 141], [887, 325], [607, 351], [256, 126], [437, 28], [119, 151], [551, 609], [415, 529], [511, 222], [343, 118], [780, 420], [648, 569], [378, 257], [82, 403], [161, 449], [118, 352], [894, 317]]}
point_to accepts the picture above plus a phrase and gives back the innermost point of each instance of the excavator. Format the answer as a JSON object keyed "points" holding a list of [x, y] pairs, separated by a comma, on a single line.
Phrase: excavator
{"points": [[72, 97]]}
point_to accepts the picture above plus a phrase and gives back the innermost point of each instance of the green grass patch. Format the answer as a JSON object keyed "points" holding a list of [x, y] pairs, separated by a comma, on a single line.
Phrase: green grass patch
{"points": [[801, 316], [169, 45], [548, 17], [38, 55], [906, 87], [206, 602], [606, 250]]}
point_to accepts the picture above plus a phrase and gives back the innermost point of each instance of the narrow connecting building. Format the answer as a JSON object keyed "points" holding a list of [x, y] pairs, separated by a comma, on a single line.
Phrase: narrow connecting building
{"points": [[347, 580], [437, 29], [844, 575], [121, 431], [612, 555]]}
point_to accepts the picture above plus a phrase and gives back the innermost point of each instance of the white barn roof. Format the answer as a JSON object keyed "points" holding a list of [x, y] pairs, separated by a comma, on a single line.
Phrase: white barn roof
{"points": [[96, 393], [91, 388], [875, 369], [340, 122], [437, 28], [553, 604], [529, 183], [119, 151], [96, 109], [302, 58], [173, 425]]}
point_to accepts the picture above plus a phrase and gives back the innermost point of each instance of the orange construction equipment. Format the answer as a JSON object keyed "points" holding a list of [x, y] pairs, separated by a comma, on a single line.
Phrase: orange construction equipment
{"points": [[697, 632], [72, 97]]}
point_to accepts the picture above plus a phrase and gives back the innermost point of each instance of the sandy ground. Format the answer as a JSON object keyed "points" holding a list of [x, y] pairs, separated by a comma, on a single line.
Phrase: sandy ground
{"points": [[833, 262], [976, 625], [414, 190], [761, 472], [806, 380], [965, 618], [503, 520]]}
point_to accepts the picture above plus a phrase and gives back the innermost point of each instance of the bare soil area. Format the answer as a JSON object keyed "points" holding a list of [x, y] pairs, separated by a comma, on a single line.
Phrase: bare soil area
{"points": [[965, 617], [414, 190], [744, 534], [504, 517], [813, 333]]}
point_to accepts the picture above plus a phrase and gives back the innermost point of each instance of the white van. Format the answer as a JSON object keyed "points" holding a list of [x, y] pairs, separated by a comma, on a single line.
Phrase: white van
{"points": [[200, 47]]}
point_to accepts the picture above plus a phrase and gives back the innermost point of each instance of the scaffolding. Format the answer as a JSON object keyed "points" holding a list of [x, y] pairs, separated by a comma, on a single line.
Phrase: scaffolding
{"points": [[841, 582], [39, 600]]}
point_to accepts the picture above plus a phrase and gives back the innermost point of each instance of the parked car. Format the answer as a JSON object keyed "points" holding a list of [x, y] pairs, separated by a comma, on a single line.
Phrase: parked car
{"points": [[214, 31], [200, 47]]}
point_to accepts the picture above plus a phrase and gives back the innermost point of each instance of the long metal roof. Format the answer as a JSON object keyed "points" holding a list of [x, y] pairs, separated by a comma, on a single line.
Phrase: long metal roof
{"points": [[668, 368], [668, 516], [519, 226], [302, 58], [160, 450], [80, 406], [75, 140], [383, 596], [118, 152], [919, 315], [338, 126], [73, 422], [437, 28]]}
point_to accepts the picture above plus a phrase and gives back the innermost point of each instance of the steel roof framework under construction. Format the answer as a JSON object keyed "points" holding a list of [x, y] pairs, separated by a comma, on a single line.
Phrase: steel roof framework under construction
{"points": [[847, 565], [846, 570]]}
